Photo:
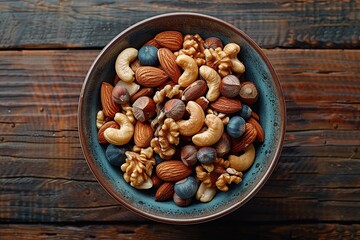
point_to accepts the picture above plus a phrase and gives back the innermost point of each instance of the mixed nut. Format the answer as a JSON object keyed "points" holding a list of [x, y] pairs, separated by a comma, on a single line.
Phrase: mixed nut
{"points": [[178, 117]]}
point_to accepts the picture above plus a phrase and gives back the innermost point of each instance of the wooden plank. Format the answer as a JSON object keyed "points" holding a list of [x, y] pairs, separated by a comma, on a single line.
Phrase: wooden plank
{"points": [[290, 194], [44, 177], [92, 24], [212, 230]]}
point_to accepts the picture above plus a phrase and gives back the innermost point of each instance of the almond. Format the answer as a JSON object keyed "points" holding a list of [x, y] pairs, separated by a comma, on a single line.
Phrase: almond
{"points": [[134, 65], [168, 63], [165, 191], [172, 40], [110, 108], [149, 76], [152, 42], [142, 92], [194, 90], [255, 115], [110, 124], [249, 136], [157, 182], [226, 105], [260, 137], [143, 133], [172, 170]]}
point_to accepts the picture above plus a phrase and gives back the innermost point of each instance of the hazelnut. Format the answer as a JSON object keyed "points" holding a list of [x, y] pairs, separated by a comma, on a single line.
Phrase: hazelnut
{"points": [[188, 155], [248, 93], [144, 108], [236, 127], [174, 108], [158, 159], [230, 86], [223, 146], [206, 155], [245, 112], [148, 56], [180, 201], [203, 102], [120, 94], [213, 42], [116, 154], [186, 188]]}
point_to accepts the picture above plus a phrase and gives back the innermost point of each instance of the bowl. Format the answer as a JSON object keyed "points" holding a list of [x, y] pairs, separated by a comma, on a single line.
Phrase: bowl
{"points": [[270, 107]]}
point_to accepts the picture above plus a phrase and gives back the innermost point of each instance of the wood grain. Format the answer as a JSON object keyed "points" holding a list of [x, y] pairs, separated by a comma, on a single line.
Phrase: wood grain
{"points": [[42, 166], [161, 231], [92, 24]]}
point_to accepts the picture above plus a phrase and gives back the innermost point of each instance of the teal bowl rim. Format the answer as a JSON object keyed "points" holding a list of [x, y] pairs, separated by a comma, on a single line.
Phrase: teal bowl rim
{"points": [[282, 115]]}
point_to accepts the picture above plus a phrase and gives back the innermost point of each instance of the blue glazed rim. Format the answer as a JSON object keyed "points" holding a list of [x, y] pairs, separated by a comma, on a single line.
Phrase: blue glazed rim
{"points": [[138, 201]]}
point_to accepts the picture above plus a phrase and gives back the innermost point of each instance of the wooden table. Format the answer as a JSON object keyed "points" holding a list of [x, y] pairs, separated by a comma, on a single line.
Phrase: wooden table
{"points": [[47, 189]]}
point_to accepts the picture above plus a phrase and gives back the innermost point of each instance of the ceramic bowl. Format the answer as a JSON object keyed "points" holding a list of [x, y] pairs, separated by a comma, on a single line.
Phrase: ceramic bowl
{"points": [[270, 107]]}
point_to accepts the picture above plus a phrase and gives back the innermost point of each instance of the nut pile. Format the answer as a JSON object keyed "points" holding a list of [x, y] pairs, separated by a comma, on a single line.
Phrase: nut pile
{"points": [[178, 117]]}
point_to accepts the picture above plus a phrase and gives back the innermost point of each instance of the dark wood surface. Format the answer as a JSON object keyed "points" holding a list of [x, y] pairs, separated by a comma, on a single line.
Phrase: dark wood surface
{"points": [[47, 189]]}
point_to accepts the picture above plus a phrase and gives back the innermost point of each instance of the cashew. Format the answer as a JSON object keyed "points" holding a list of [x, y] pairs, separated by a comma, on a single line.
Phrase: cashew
{"points": [[244, 161], [212, 134], [191, 70], [120, 136], [122, 64], [204, 193], [213, 80], [195, 122], [232, 49]]}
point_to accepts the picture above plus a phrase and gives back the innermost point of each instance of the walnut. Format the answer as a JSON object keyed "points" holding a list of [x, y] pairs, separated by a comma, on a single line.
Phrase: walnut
{"points": [[157, 122], [193, 46], [218, 60], [218, 174], [147, 152], [168, 138], [170, 131], [138, 167], [168, 91], [208, 173], [229, 177], [128, 111], [159, 118]]}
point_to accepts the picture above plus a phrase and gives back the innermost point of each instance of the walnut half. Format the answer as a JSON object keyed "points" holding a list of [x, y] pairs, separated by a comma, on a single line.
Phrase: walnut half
{"points": [[218, 60], [193, 46], [138, 167], [168, 138], [218, 174]]}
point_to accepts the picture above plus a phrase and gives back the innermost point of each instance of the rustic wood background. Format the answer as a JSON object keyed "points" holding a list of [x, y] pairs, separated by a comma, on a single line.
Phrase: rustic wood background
{"points": [[47, 189]]}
